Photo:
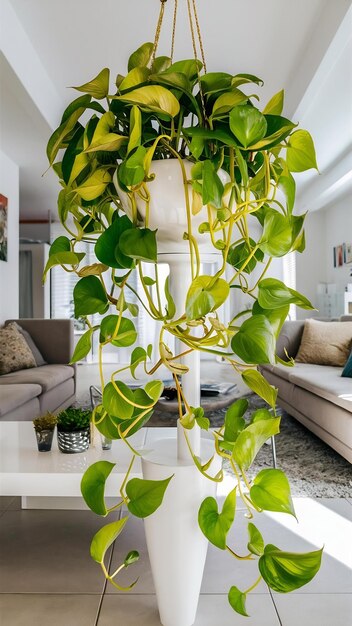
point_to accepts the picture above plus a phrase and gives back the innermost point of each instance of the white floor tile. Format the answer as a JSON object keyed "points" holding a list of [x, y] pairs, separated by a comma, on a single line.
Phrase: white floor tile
{"points": [[314, 609], [322, 522], [213, 610]]}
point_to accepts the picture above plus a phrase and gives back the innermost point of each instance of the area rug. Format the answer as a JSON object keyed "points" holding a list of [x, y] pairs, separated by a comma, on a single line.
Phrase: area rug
{"points": [[312, 467]]}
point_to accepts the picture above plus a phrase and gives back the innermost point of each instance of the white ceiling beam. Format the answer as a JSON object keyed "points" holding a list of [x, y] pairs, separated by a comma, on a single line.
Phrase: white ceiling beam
{"points": [[25, 62], [329, 91], [328, 187], [308, 62]]}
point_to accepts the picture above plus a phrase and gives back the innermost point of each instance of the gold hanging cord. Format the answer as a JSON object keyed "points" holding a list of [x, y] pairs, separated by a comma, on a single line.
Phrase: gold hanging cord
{"points": [[194, 26], [173, 31], [193, 23], [158, 29]]}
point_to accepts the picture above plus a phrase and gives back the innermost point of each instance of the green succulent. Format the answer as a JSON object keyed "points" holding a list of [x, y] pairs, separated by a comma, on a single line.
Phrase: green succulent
{"points": [[71, 420], [45, 422]]}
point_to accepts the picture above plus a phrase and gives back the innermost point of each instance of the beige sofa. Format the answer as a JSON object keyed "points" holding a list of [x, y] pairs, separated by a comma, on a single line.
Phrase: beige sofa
{"points": [[27, 393], [316, 395]]}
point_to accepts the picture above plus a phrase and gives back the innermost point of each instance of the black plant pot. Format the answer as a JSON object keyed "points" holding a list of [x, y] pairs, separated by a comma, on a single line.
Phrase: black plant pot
{"points": [[44, 440], [72, 442]]}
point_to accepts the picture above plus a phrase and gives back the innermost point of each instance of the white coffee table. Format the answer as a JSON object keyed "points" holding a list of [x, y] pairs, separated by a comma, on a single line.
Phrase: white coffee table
{"points": [[52, 479]]}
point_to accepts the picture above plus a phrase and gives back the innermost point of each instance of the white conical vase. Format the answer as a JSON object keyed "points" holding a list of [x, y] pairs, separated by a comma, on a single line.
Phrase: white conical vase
{"points": [[167, 211], [176, 546]]}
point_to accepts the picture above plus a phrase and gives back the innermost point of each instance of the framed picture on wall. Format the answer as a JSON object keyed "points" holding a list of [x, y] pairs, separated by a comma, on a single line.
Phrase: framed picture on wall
{"points": [[339, 256], [347, 252], [3, 228]]}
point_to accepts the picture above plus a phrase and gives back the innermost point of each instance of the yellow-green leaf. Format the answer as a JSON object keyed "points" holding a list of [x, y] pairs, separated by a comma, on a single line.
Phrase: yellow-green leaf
{"points": [[224, 103], [98, 87], [153, 98], [135, 129], [94, 185], [56, 140], [301, 152], [79, 164], [275, 104], [141, 56], [109, 143], [135, 77]]}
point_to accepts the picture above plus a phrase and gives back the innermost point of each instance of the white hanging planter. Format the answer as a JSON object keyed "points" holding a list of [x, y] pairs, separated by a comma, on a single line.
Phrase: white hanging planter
{"points": [[167, 210], [177, 548]]}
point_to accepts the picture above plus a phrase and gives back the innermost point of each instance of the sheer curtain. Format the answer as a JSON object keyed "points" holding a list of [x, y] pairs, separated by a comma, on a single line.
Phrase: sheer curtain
{"points": [[289, 272], [62, 305], [25, 284]]}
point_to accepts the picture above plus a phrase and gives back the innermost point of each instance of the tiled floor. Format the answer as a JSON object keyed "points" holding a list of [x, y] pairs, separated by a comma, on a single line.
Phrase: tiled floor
{"points": [[48, 579]]}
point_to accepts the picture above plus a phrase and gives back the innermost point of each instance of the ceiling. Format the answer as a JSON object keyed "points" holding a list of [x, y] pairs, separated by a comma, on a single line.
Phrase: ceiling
{"points": [[278, 40]]}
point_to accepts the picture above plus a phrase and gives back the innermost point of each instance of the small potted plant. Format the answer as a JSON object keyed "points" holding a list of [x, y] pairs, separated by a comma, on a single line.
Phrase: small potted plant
{"points": [[44, 427], [73, 430]]}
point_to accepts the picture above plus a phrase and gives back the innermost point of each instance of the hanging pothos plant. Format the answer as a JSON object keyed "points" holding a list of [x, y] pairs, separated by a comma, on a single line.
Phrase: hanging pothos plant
{"points": [[240, 158]]}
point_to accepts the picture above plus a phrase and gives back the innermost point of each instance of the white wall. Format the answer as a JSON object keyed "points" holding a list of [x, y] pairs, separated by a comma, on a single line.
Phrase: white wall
{"points": [[311, 264], [325, 229], [9, 187], [338, 230]]}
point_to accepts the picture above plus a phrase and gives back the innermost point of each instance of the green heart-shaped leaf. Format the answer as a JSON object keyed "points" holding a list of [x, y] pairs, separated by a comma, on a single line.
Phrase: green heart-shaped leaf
{"points": [[115, 403], [237, 600], [276, 239], [205, 296], [145, 496], [93, 486], [139, 243], [124, 337], [271, 491], [273, 294], [256, 381], [103, 539], [62, 258], [214, 525], [89, 297], [287, 571], [108, 242], [255, 341], [301, 152], [247, 124], [234, 421], [252, 438], [256, 541], [83, 346]]}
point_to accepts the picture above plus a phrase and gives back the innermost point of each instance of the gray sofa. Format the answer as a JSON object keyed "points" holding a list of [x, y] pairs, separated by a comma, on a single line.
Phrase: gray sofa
{"points": [[316, 395], [27, 393]]}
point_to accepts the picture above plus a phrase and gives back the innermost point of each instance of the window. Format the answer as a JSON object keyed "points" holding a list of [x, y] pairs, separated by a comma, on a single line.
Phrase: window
{"points": [[289, 272]]}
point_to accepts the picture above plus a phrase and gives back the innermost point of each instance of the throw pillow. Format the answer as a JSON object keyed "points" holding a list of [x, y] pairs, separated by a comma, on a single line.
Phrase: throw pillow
{"points": [[347, 370], [31, 345], [14, 351], [325, 343]]}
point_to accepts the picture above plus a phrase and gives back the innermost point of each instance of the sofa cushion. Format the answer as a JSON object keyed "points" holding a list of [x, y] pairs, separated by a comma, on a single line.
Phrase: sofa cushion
{"points": [[325, 343], [38, 357], [53, 399], [47, 376], [323, 381], [282, 371], [14, 351], [13, 396]]}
